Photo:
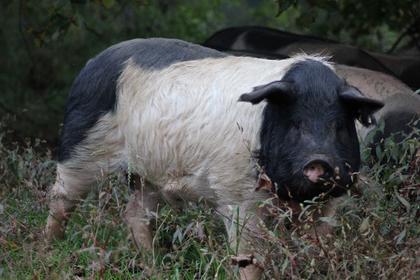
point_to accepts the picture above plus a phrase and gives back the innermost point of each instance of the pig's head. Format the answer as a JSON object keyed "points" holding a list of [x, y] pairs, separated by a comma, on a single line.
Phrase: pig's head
{"points": [[308, 137]]}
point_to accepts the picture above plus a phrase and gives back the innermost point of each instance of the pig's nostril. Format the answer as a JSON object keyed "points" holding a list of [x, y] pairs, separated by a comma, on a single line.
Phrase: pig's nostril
{"points": [[313, 172], [316, 169]]}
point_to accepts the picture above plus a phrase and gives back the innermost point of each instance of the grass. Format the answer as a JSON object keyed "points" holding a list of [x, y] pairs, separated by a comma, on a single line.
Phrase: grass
{"points": [[376, 236]]}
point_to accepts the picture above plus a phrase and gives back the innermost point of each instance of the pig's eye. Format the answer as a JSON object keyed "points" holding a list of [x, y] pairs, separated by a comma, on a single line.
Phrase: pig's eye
{"points": [[341, 130]]}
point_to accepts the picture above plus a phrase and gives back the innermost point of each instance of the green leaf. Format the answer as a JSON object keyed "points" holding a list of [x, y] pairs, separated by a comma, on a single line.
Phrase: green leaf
{"points": [[283, 5], [108, 3], [403, 201], [378, 151], [400, 237]]}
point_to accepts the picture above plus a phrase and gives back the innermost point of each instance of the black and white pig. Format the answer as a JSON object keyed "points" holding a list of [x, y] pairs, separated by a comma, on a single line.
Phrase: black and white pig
{"points": [[196, 123]]}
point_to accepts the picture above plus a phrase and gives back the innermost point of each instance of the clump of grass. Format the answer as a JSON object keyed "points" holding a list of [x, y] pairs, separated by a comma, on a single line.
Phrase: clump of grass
{"points": [[375, 234]]}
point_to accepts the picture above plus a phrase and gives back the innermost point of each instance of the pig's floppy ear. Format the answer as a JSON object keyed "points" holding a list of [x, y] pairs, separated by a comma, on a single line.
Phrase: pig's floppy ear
{"points": [[274, 91], [363, 106]]}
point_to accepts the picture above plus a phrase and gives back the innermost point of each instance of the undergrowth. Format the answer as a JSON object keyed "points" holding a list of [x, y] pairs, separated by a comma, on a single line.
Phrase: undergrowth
{"points": [[376, 232]]}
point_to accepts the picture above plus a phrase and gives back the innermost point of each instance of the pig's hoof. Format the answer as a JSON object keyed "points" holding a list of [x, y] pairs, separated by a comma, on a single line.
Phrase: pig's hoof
{"points": [[249, 269]]}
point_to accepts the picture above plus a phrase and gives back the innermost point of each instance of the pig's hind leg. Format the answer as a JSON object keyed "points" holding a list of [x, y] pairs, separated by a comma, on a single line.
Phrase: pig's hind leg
{"points": [[99, 154], [70, 187]]}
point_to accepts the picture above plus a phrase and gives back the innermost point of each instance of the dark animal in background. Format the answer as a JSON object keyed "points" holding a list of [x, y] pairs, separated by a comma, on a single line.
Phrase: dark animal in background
{"points": [[276, 44], [196, 123]]}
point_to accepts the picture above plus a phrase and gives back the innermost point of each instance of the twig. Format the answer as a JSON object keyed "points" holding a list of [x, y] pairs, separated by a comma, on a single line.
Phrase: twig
{"points": [[397, 42], [411, 29], [93, 31]]}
